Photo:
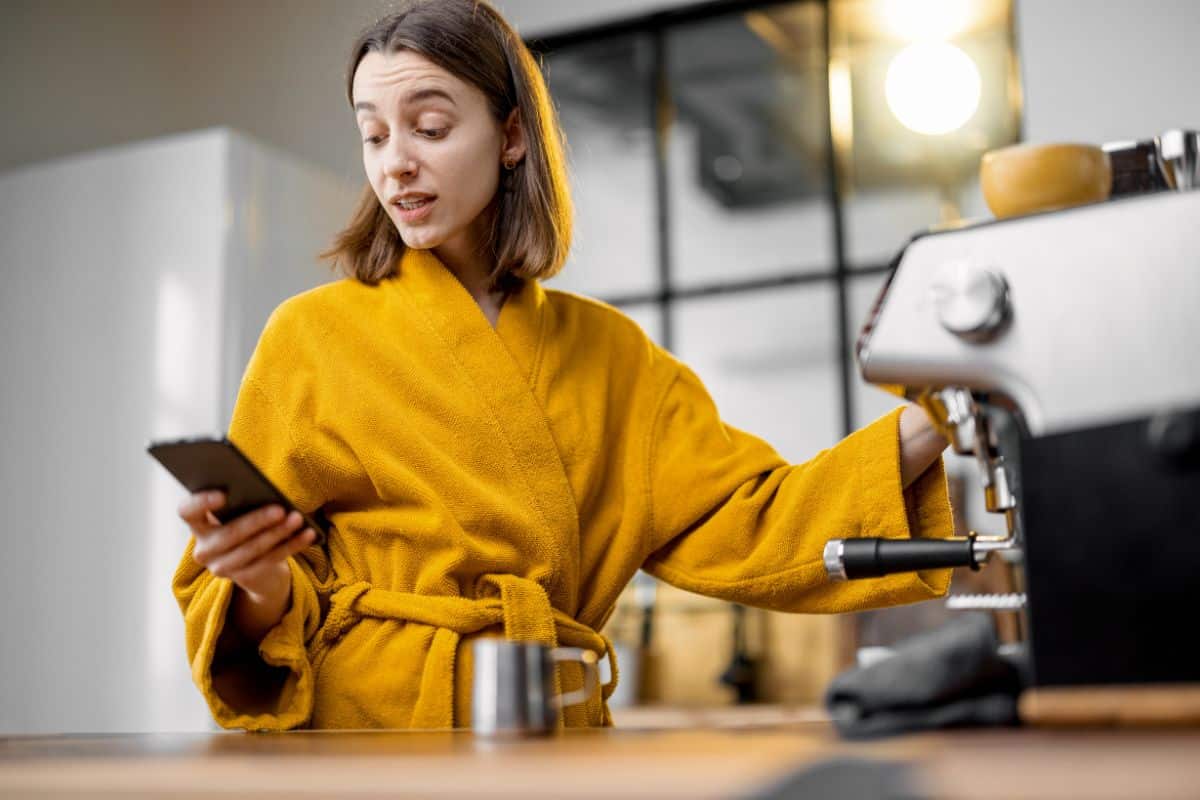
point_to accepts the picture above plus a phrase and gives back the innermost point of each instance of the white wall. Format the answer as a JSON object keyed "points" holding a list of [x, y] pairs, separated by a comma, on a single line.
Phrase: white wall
{"points": [[1108, 71]]}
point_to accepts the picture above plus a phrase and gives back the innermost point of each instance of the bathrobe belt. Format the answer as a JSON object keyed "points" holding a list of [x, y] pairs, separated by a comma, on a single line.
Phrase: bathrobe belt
{"points": [[522, 607]]}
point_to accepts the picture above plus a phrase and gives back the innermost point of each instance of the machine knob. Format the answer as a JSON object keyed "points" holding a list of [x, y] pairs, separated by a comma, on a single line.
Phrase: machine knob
{"points": [[971, 302]]}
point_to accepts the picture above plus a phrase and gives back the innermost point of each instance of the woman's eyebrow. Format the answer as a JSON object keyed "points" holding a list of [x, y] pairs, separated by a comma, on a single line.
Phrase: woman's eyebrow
{"points": [[428, 93], [413, 97]]}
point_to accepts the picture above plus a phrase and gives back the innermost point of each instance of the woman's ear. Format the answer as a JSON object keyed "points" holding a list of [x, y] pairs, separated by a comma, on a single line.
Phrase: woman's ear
{"points": [[514, 139]]}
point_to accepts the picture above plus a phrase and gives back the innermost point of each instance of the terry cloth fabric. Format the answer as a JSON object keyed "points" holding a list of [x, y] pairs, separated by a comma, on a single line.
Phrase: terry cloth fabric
{"points": [[510, 481], [951, 676]]}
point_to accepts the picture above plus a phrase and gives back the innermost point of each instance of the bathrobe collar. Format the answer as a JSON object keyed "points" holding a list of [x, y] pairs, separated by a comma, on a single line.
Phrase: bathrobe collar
{"points": [[520, 326], [501, 365]]}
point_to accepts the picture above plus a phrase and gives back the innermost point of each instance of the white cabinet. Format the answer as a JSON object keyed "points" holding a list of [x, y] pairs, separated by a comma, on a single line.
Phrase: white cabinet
{"points": [[135, 283]]}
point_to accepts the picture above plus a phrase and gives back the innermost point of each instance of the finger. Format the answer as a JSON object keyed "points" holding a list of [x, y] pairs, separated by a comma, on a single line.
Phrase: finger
{"points": [[256, 546], [195, 509], [279, 553], [216, 542]]}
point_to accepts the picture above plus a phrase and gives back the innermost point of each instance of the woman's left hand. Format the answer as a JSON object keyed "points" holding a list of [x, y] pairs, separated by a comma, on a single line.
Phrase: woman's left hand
{"points": [[920, 444]]}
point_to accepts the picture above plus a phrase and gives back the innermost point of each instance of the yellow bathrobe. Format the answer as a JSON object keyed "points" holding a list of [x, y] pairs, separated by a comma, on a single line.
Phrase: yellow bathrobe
{"points": [[510, 481]]}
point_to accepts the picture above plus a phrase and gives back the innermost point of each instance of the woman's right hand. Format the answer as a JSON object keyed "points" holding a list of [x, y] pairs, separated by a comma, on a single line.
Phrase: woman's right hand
{"points": [[251, 550]]}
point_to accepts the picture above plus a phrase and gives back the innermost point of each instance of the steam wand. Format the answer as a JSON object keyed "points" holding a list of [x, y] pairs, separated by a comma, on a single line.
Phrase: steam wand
{"points": [[965, 424]]}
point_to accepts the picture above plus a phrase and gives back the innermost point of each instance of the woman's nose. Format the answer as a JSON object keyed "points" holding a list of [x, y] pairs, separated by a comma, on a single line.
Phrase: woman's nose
{"points": [[401, 163]]}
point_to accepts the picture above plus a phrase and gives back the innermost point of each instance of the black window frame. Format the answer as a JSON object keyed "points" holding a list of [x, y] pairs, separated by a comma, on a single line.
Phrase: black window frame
{"points": [[655, 26]]}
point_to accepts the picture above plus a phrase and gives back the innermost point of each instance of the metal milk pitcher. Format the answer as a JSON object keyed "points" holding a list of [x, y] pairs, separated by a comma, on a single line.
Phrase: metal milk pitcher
{"points": [[512, 688]]}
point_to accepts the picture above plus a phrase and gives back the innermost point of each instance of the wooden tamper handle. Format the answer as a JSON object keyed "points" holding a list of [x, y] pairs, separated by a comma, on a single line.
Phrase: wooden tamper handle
{"points": [[1027, 178]]}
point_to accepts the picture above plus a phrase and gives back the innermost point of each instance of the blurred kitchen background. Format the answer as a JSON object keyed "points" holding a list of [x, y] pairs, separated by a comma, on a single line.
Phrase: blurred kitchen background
{"points": [[743, 174]]}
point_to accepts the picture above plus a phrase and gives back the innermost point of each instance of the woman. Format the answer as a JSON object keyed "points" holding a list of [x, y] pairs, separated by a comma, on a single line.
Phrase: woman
{"points": [[494, 458]]}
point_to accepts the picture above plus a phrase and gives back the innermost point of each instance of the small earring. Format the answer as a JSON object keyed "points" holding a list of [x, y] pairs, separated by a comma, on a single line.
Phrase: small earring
{"points": [[510, 164]]}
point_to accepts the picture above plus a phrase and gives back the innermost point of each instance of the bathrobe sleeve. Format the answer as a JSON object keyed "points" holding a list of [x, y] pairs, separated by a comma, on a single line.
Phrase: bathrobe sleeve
{"points": [[731, 519], [269, 687]]}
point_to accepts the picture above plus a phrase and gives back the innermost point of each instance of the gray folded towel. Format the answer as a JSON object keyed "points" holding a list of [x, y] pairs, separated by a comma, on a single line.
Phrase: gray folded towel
{"points": [[947, 677]]}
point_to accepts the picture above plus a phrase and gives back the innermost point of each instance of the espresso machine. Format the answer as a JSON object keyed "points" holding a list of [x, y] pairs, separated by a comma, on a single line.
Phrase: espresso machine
{"points": [[1061, 349]]}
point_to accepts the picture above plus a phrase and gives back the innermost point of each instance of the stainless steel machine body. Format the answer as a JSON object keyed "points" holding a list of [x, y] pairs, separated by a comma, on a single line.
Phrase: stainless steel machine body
{"points": [[1078, 317]]}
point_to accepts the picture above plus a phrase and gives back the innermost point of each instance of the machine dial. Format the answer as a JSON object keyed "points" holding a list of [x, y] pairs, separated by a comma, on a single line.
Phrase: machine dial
{"points": [[972, 302]]}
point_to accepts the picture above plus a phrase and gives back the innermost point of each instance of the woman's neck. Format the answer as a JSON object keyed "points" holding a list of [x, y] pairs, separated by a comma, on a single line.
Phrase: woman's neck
{"points": [[471, 270], [466, 263], [463, 255]]}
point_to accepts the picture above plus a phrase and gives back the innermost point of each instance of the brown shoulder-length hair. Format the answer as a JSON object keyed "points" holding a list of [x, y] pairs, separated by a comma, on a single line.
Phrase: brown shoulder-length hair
{"points": [[531, 216]]}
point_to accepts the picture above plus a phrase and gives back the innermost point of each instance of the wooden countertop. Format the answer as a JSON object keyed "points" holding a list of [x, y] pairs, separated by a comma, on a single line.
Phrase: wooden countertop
{"points": [[736, 753]]}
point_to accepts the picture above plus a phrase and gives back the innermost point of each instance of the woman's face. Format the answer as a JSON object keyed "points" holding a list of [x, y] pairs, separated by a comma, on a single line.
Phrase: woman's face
{"points": [[431, 148]]}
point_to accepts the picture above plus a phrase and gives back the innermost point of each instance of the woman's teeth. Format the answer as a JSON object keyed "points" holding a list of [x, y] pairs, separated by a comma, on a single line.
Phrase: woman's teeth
{"points": [[409, 205]]}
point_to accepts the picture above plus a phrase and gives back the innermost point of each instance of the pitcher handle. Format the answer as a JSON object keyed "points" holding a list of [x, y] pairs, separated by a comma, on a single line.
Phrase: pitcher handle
{"points": [[591, 674]]}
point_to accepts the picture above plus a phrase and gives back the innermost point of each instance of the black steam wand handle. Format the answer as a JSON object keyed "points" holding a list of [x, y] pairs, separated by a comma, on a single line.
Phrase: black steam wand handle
{"points": [[848, 559]]}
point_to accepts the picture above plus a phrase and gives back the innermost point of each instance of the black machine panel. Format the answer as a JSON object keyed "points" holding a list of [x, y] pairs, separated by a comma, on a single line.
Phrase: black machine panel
{"points": [[1112, 552]]}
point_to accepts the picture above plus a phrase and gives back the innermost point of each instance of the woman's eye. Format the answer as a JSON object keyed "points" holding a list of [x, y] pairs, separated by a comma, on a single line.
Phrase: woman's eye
{"points": [[373, 139], [432, 133]]}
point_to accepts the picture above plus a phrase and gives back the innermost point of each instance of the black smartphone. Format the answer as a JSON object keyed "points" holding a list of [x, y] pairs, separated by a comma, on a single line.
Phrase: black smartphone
{"points": [[205, 463]]}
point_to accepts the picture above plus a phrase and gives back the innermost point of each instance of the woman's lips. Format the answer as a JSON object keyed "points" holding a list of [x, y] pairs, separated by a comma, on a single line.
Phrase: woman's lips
{"points": [[417, 214]]}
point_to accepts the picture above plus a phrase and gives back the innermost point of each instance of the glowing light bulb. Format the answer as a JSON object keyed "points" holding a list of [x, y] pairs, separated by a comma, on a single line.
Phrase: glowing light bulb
{"points": [[932, 87]]}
